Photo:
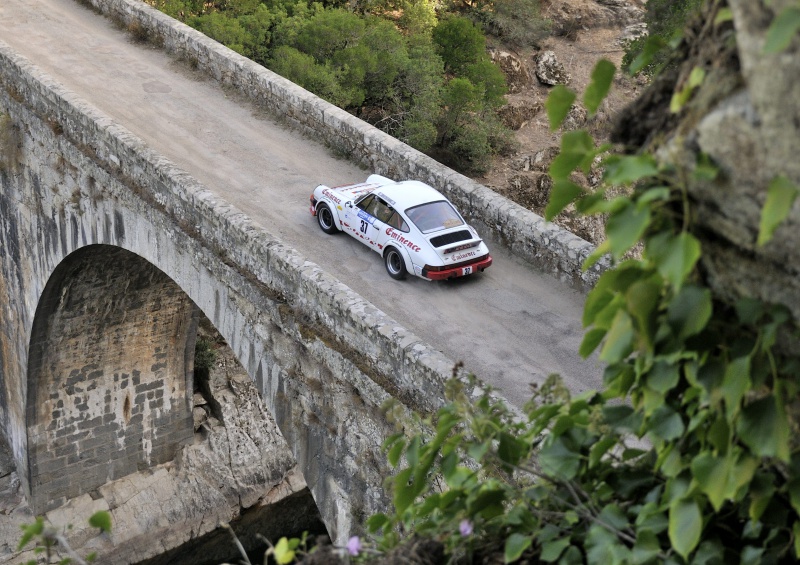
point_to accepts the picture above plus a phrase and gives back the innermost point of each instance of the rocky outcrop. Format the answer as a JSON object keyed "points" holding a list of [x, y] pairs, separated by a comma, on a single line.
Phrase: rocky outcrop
{"points": [[517, 75], [549, 69], [744, 118], [568, 17], [517, 115]]}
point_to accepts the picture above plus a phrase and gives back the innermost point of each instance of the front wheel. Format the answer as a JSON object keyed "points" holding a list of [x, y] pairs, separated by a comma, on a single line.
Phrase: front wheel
{"points": [[395, 265], [325, 219]]}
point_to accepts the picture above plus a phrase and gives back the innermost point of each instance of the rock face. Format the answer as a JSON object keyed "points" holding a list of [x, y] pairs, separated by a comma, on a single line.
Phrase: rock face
{"points": [[237, 470], [515, 71], [745, 117], [517, 115], [570, 16], [549, 70]]}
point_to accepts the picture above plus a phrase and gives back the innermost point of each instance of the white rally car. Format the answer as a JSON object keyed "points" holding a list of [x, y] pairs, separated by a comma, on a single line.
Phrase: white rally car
{"points": [[414, 228]]}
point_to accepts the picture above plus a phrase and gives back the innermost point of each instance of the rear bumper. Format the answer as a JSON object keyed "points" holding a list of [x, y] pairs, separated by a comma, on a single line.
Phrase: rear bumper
{"points": [[460, 271], [313, 208]]}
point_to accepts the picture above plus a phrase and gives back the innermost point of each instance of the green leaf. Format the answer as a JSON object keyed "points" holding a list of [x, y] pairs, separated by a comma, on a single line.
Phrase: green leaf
{"points": [[724, 15], [646, 548], [29, 531], [737, 382], [552, 550], [763, 427], [674, 256], [377, 522], [510, 450], [597, 299], [666, 424], [663, 377], [781, 194], [102, 520], [596, 255], [516, 544], [621, 170], [412, 453], [713, 475], [689, 312], [619, 342], [796, 533], [577, 148], [761, 491], [625, 228], [679, 99], [590, 341], [558, 104], [602, 76], [652, 46], [558, 460], [564, 192], [601, 448], [685, 526], [283, 554], [642, 300], [396, 452], [404, 494], [782, 29]]}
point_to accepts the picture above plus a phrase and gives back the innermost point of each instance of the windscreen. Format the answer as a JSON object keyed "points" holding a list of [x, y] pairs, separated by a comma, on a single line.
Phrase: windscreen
{"points": [[434, 216]]}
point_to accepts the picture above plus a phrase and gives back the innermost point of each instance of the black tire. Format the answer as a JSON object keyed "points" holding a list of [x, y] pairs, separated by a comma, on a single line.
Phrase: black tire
{"points": [[325, 219], [395, 264]]}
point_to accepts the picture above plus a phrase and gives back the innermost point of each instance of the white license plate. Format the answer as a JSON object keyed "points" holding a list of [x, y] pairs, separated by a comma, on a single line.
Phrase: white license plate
{"points": [[466, 271]]}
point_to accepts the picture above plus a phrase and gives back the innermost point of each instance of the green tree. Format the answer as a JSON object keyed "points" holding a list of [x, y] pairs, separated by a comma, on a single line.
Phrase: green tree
{"points": [[302, 69], [418, 17], [460, 43]]}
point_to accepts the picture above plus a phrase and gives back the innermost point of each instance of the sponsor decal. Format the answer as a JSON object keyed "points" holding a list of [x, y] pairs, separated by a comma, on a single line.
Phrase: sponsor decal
{"points": [[328, 194], [399, 238], [366, 217], [388, 200], [463, 256]]}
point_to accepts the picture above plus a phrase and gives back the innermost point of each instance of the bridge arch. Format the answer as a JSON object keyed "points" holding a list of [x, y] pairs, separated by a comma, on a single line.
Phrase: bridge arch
{"points": [[109, 373]]}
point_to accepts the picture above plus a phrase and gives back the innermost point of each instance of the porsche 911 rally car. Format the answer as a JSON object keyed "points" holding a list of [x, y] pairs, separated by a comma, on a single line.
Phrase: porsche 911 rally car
{"points": [[414, 227]]}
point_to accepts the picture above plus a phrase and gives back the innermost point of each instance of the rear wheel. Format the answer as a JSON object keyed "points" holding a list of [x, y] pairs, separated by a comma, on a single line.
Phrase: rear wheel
{"points": [[325, 219], [395, 265]]}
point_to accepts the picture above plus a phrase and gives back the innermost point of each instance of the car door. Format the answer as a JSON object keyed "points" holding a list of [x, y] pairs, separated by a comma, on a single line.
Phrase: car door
{"points": [[360, 220]]}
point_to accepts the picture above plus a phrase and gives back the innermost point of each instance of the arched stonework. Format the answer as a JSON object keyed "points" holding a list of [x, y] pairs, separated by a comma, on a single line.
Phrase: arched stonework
{"points": [[110, 373]]}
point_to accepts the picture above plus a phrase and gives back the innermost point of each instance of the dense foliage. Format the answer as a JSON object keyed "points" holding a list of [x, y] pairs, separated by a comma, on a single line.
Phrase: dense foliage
{"points": [[689, 455], [426, 81]]}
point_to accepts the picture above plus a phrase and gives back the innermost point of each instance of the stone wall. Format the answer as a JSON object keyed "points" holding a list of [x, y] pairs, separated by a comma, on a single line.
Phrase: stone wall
{"points": [[546, 245]]}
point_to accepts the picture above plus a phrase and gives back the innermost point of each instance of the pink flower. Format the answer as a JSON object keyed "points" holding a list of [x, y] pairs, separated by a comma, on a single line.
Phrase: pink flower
{"points": [[354, 545], [465, 527]]}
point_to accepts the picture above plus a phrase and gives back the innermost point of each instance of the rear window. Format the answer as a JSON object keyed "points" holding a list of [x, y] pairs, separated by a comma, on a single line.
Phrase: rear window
{"points": [[434, 216]]}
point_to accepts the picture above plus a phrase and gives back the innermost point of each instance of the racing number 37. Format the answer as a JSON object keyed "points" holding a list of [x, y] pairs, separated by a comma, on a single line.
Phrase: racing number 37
{"points": [[364, 226]]}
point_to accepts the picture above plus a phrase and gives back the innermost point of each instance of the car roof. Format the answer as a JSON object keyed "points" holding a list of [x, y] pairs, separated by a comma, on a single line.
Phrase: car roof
{"points": [[408, 193]]}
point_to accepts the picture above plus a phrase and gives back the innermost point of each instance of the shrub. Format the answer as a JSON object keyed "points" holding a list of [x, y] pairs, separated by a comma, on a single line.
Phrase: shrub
{"points": [[459, 43]]}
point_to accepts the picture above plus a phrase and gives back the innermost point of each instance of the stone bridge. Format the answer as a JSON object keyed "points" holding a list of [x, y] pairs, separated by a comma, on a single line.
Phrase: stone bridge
{"points": [[110, 254]]}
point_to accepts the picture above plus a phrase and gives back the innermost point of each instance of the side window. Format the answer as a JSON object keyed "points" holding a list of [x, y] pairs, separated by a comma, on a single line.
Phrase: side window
{"points": [[397, 222], [365, 202]]}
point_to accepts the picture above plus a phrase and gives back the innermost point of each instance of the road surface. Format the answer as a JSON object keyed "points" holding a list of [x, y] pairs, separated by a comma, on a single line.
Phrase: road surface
{"points": [[511, 325]]}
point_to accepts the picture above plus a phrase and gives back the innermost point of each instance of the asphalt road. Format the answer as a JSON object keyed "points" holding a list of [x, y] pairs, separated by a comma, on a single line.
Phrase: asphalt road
{"points": [[511, 325]]}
